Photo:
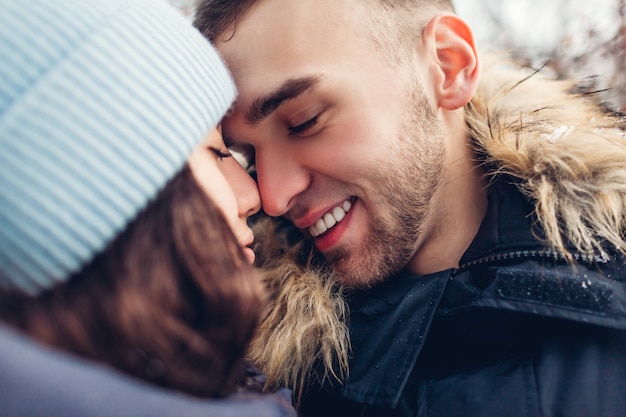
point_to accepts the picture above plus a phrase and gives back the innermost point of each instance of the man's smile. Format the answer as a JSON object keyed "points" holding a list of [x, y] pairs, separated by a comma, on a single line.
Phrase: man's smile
{"points": [[330, 219]]}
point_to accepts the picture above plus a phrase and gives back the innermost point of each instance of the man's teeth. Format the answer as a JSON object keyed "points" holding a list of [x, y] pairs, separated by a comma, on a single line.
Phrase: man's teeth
{"points": [[330, 219]]}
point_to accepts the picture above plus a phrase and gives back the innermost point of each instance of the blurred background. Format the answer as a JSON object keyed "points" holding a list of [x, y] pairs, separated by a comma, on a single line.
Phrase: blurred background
{"points": [[572, 38]]}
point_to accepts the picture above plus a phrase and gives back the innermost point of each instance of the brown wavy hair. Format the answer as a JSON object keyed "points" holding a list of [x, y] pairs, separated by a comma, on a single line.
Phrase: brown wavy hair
{"points": [[171, 300]]}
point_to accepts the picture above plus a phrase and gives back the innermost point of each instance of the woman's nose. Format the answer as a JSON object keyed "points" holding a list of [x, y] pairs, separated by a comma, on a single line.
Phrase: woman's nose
{"points": [[244, 187]]}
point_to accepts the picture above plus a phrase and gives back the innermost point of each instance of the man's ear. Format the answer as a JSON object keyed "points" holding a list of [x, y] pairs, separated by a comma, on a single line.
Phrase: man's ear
{"points": [[457, 64]]}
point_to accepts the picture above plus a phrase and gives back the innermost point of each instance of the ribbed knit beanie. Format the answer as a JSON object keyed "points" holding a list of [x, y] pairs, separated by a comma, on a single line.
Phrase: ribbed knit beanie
{"points": [[101, 103]]}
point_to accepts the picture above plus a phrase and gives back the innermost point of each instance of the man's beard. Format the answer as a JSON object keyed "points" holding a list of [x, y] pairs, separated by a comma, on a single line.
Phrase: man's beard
{"points": [[406, 186]]}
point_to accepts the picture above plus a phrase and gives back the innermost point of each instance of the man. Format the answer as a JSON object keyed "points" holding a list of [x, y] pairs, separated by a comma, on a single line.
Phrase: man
{"points": [[479, 220]]}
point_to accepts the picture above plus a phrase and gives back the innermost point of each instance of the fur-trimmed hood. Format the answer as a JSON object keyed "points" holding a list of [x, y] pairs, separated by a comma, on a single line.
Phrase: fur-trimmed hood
{"points": [[569, 153], [568, 150]]}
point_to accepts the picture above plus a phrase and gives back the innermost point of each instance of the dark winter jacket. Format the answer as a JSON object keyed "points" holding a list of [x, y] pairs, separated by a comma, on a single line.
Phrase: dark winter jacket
{"points": [[39, 382], [515, 331]]}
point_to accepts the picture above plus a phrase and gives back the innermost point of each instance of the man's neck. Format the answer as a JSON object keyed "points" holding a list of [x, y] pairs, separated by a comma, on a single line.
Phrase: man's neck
{"points": [[458, 208]]}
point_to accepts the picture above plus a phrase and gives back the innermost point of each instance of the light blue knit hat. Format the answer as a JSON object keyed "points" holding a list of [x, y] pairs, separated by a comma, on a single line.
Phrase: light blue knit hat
{"points": [[101, 103]]}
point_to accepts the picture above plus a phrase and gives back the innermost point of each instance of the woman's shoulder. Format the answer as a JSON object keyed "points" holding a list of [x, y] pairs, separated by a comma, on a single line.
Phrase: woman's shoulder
{"points": [[39, 381]]}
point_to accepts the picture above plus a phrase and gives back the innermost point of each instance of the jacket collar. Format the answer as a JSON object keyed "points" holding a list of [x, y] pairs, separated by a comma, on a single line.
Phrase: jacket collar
{"points": [[509, 223], [389, 323]]}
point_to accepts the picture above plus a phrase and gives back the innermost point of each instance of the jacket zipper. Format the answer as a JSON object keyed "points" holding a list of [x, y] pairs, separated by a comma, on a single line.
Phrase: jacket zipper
{"points": [[530, 254]]}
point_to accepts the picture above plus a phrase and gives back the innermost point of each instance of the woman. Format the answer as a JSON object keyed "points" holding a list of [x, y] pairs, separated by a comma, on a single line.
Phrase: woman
{"points": [[113, 247]]}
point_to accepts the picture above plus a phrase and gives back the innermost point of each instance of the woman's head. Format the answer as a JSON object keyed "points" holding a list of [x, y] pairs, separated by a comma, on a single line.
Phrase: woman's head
{"points": [[172, 299], [109, 245]]}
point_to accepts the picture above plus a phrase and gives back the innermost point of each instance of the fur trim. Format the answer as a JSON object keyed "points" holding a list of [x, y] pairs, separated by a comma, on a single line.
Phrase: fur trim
{"points": [[568, 151], [305, 322]]}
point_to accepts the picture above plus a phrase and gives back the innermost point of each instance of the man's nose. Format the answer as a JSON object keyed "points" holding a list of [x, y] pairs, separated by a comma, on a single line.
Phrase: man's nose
{"points": [[280, 178]]}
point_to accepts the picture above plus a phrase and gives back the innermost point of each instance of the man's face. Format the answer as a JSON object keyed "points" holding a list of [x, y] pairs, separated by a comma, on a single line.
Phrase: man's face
{"points": [[346, 144]]}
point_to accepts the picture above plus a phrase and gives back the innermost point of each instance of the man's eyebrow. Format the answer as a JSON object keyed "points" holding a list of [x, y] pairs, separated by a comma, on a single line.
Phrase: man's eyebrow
{"points": [[265, 105]]}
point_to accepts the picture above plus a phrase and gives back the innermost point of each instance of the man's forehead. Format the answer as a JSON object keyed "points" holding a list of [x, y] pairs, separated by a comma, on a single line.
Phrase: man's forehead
{"points": [[286, 18]]}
